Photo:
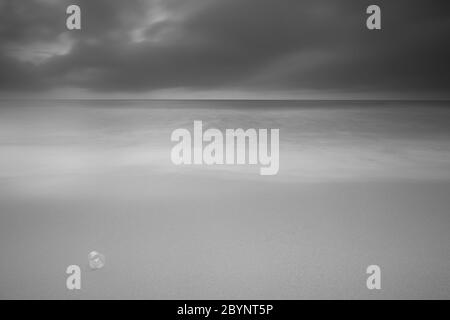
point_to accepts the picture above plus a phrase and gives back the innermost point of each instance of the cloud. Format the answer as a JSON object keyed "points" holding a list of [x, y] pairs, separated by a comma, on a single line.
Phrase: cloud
{"points": [[138, 46]]}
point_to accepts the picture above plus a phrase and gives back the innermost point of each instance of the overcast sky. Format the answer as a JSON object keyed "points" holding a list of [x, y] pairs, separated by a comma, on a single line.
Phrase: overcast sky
{"points": [[225, 48]]}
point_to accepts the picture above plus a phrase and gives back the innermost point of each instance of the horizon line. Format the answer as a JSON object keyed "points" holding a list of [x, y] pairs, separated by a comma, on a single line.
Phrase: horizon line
{"points": [[220, 99]]}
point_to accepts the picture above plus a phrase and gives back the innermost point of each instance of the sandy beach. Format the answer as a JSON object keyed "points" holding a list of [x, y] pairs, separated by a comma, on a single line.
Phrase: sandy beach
{"points": [[369, 186]]}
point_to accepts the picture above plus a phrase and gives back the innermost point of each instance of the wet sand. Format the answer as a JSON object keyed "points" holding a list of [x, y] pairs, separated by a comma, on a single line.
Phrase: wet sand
{"points": [[226, 239]]}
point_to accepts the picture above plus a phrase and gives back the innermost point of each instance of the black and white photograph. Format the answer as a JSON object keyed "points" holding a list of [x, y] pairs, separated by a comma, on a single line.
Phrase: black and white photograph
{"points": [[224, 150]]}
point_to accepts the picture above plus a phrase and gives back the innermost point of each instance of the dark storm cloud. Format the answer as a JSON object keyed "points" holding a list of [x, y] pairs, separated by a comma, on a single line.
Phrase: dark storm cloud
{"points": [[139, 46]]}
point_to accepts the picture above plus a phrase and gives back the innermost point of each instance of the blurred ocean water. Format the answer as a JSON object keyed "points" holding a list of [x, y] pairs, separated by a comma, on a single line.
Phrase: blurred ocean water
{"points": [[319, 141]]}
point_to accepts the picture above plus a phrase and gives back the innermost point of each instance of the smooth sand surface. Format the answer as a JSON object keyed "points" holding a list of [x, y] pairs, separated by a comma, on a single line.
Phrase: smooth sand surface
{"points": [[192, 237]]}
